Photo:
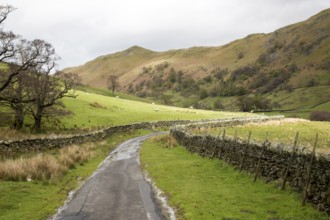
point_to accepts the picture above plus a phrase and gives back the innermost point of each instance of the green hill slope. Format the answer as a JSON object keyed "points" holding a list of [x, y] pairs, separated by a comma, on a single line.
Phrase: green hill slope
{"points": [[290, 58], [93, 110]]}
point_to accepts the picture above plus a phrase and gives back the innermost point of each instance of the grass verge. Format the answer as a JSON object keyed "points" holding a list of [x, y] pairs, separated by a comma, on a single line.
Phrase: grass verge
{"points": [[201, 188], [39, 199]]}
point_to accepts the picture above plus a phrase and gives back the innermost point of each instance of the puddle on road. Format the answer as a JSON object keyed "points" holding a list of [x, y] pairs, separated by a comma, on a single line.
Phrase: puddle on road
{"points": [[126, 151]]}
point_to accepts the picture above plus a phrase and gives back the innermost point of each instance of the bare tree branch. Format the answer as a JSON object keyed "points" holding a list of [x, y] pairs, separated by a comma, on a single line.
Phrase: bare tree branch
{"points": [[4, 11]]}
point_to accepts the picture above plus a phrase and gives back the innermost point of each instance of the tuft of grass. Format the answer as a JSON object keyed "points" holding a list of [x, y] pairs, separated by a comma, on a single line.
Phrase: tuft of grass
{"points": [[45, 167], [200, 188], [69, 156], [167, 141], [97, 105], [41, 167]]}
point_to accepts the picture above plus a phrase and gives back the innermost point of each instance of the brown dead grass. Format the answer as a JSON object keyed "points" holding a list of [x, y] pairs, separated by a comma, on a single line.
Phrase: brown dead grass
{"points": [[69, 156], [41, 167], [45, 167], [279, 132], [276, 122], [167, 140], [11, 134]]}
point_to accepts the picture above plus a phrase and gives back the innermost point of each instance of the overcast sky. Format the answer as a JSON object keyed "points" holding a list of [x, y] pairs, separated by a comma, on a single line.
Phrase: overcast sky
{"points": [[81, 30]]}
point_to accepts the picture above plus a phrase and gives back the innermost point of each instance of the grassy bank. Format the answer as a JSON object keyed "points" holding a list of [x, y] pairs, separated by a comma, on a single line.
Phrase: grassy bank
{"points": [[39, 199], [281, 132], [91, 110], [201, 188]]}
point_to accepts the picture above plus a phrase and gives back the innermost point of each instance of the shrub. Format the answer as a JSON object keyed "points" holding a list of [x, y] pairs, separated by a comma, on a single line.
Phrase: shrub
{"points": [[220, 73], [203, 94], [240, 55], [218, 105], [312, 83], [247, 103], [280, 77], [320, 116], [172, 76], [246, 71], [208, 79]]}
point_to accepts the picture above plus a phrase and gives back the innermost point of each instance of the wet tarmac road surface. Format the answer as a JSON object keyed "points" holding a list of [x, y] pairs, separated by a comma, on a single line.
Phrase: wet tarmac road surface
{"points": [[117, 190]]}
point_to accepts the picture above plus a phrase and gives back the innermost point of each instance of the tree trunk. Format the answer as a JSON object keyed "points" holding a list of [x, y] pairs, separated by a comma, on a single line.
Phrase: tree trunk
{"points": [[19, 119], [37, 120]]}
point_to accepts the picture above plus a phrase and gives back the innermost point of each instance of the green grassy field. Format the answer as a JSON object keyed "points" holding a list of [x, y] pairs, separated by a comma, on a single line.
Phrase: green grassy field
{"points": [[107, 92], [39, 200], [282, 132], [114, 111], [90, 110], [201, 188], [298, 103]]}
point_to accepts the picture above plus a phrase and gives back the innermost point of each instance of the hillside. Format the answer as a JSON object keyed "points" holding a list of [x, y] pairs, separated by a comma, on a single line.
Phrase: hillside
{"points": [[293, 57]]}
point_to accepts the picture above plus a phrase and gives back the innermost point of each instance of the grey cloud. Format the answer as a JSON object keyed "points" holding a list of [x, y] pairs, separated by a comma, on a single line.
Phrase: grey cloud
{"points": [[82, 30]]}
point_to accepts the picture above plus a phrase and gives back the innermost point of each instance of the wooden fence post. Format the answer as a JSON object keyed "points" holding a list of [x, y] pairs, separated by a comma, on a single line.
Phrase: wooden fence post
{"points": [[264, 146], [310, 171], [234, 146], [235, 137], [244, 153], [289, 163], [215, 145]]}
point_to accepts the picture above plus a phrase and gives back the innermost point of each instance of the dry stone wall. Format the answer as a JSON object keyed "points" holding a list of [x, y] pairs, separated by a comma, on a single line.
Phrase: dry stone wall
{"points": [[273, 160], [10, 148]]}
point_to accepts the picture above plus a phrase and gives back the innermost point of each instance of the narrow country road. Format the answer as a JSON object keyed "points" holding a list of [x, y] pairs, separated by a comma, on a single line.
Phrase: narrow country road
{"points": [[117, 190]]}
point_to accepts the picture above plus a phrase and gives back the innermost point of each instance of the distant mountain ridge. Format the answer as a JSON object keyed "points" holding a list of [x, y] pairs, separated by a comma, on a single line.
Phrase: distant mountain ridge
{"points": [[291, 57]]}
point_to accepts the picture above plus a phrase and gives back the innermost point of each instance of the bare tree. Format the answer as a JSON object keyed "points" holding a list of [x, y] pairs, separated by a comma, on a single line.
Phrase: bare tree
{"points": [[17, 96], [31, 58], [27, 83], [28, 56], [47, 88], [4, 11], [8, 50], [113, 83]]}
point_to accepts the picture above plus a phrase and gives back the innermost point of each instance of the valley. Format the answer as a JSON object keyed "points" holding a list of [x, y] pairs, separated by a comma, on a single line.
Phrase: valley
{"points": [[280, 67]]}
